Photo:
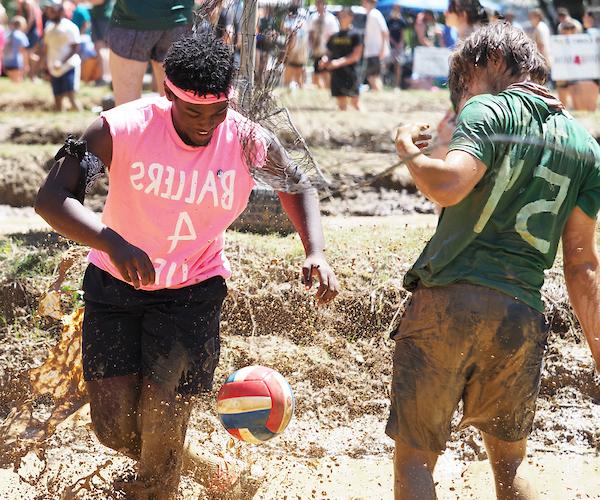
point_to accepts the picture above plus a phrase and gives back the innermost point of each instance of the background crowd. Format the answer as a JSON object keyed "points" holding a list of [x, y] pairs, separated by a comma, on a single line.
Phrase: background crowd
{"points": [[345, 49]]}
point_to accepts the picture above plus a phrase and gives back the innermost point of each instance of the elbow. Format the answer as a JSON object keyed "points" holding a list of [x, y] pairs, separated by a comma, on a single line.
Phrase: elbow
{"points": [[446, 196], [42, 203]]}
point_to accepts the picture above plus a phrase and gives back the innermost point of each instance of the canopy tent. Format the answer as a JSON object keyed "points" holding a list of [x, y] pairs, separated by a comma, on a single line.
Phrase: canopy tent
{"points": [[434, 5]]}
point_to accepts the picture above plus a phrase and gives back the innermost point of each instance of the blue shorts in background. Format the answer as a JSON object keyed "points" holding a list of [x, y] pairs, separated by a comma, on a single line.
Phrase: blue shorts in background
{"points": [[64, 84]]}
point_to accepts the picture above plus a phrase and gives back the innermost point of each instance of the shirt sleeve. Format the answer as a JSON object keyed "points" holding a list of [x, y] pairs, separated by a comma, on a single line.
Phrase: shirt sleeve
{"points": [[477, 129], [589, 195], [381, 22], [22, 39], [74, 35]]}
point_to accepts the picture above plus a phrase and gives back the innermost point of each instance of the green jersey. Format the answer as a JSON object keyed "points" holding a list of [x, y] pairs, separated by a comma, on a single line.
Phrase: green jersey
{"points": [[540, 164], [103, 11], [146, 15]]}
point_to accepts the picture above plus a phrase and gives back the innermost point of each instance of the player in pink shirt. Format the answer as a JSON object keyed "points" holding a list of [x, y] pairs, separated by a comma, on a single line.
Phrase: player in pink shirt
{"points": [[179, 174]]}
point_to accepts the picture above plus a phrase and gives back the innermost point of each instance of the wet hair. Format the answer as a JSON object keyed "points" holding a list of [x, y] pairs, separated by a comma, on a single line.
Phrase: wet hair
{"points": [[491, 43], [476, 14], [200, 62]]}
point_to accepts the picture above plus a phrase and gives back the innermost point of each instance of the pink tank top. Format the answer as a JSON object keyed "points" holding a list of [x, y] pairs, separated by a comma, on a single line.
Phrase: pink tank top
{"points": [[172, 200]]}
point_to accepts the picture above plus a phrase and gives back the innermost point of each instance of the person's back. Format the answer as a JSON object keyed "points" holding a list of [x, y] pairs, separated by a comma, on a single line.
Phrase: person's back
{"points": [[520, 174], [506, 231], [152, 14]]}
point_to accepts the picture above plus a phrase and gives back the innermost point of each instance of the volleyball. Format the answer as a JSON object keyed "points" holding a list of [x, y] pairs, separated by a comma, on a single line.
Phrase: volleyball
{"points": [[255, 404]]}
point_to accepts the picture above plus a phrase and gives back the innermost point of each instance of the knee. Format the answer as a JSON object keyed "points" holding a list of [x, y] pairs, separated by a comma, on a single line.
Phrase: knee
{"points": [[116, 431]]}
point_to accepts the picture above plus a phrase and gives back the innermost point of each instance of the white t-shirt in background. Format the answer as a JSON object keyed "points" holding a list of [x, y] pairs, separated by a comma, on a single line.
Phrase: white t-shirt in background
{"points": [[58, 39], [374, 27], [323, 27]]}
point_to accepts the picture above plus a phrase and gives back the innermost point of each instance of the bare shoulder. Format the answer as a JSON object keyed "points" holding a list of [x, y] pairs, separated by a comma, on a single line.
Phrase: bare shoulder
{"points": [[99, 140]]}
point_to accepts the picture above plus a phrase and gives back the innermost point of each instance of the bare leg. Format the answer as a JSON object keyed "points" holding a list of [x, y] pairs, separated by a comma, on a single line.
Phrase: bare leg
{"points": [[164, 418], [15, 75], [506, 459], [585, 96], [413, 473], [342, 102], [355, 103], [75, 106], [375, 82], [159, 76], [114, 410], [58, 100], [103, 53], [127, 76]]}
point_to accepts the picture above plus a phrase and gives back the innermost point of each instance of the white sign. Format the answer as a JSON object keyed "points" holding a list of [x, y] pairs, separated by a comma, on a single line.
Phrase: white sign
{"points": [[575, 57], [431, 61]]}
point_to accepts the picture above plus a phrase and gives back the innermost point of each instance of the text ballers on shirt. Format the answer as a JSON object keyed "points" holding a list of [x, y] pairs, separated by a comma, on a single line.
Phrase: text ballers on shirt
{"points": [[188, 186], [176, 184]]}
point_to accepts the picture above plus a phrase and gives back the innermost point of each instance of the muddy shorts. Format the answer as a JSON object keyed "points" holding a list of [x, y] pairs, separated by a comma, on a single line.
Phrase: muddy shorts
{"points": [[141, 45], [469, 343], [170, 335]]}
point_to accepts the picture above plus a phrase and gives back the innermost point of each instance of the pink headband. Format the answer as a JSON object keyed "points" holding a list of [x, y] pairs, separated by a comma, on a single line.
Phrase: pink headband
{"points": [[193, 98]]}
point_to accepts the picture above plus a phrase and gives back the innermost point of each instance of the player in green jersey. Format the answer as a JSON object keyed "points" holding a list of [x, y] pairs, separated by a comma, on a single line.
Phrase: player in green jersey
{"points": [[519, 174]]}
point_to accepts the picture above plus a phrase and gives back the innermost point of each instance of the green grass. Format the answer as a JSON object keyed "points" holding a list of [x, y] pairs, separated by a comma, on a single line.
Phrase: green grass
{"points": [[11, 150]]}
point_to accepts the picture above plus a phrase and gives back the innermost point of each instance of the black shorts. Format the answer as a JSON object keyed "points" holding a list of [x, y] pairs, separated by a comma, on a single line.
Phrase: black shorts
{"points": [[169, 335], [344, 82], [373, 66]]}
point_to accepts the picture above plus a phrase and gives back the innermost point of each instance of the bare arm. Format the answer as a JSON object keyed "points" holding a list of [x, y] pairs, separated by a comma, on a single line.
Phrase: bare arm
{"points": [[582, 274], [302, 207], [445, 182], [56, 204]]}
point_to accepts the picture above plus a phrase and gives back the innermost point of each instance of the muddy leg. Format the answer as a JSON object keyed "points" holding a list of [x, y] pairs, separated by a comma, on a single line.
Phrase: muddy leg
{"points": [[164, 418], [413, 473], [506, 459], [114, 411]]}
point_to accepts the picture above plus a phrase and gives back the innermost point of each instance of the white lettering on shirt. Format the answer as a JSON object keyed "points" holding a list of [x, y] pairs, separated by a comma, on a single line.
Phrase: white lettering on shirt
{"points": [[184, 218], [136, 177]]}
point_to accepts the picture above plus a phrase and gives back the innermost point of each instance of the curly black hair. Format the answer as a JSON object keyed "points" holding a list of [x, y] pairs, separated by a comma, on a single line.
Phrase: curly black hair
{"points": [[200, 62]]}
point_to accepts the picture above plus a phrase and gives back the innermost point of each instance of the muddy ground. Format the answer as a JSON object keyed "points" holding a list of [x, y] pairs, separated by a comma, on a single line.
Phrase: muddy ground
{"points": [[337, 360]]}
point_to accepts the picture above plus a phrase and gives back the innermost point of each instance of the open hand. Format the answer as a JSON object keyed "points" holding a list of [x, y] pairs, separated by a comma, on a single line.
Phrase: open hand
{"points": [[316, 265]]}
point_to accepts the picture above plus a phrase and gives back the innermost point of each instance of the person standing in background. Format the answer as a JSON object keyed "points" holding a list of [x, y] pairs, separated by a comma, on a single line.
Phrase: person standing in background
{"points": [[61, 47], [296, 57], [377, 44], [465, 16], [30, 10], [321, 25], [101, 13], [2, 33], [396, 25], [142, 31], [15, 50], [344, 51], [541, 32], [563, 15], [589, 23]]}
